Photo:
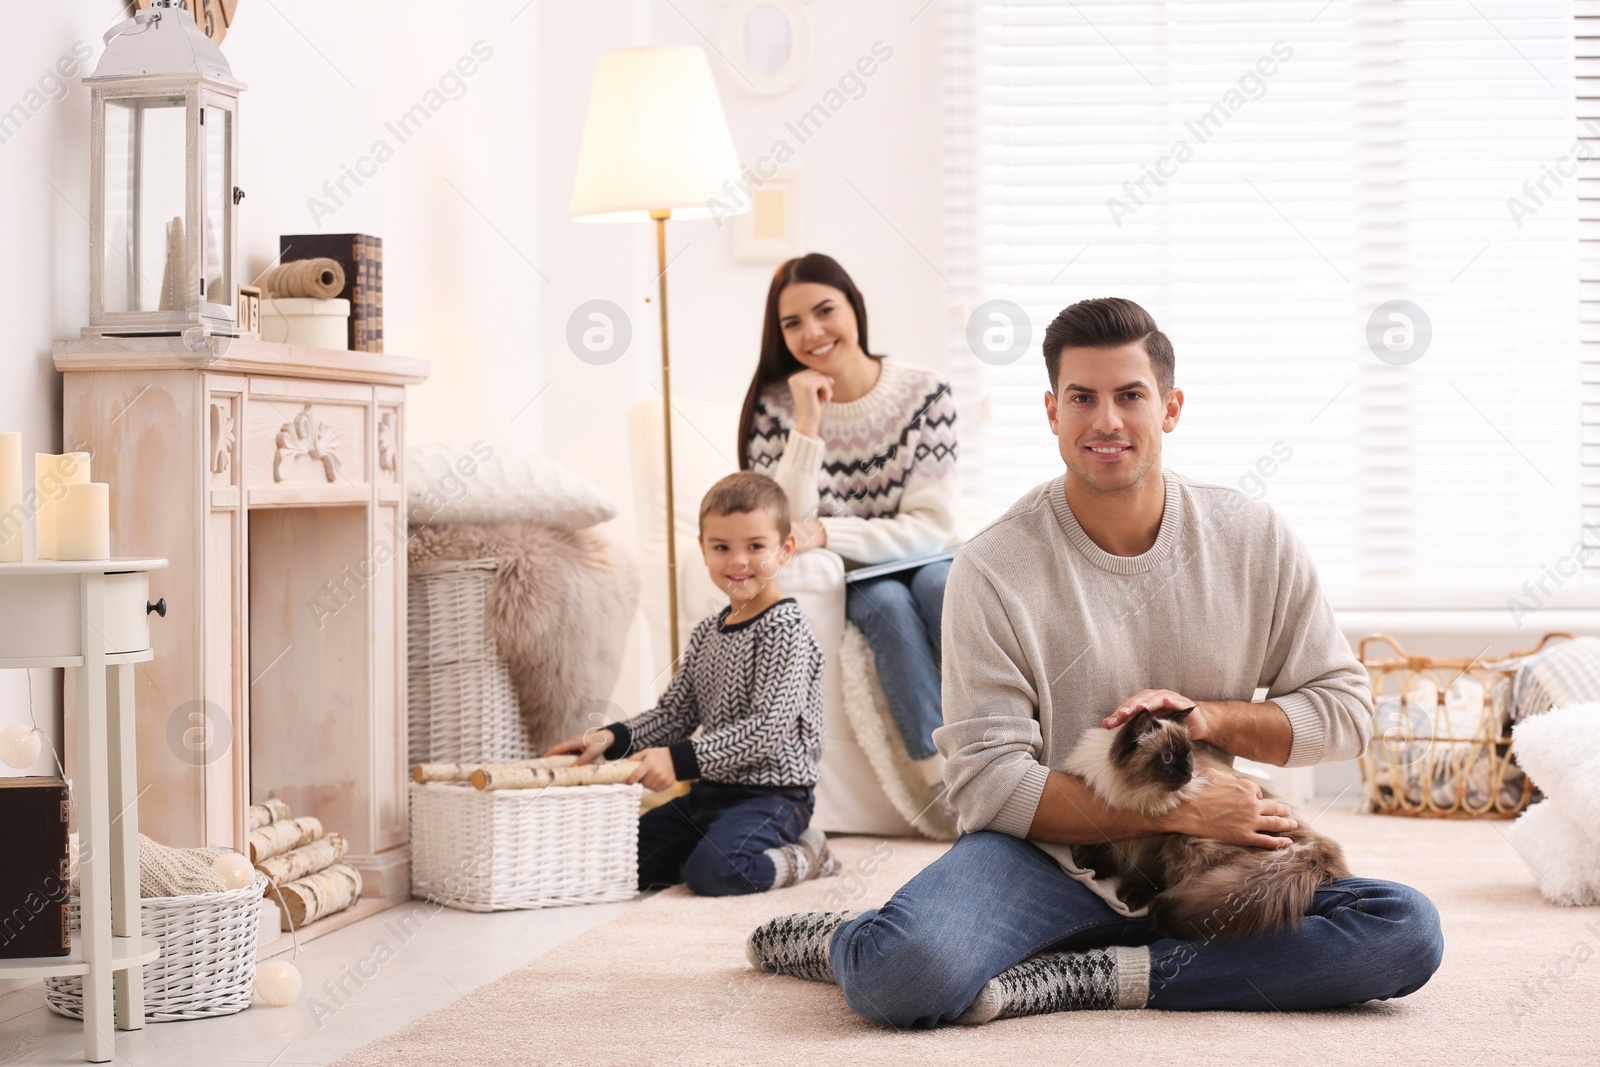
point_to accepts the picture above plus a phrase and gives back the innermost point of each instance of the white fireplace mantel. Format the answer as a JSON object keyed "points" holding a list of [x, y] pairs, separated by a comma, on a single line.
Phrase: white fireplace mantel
{"points": [[272, 476]]}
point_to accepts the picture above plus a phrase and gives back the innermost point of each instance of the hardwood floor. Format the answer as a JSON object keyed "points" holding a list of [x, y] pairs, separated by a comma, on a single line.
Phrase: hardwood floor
{"points": [[360, 982]]}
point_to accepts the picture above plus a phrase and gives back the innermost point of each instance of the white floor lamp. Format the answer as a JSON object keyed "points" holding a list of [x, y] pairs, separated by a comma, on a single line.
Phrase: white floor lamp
{"points": [[656, 146]]}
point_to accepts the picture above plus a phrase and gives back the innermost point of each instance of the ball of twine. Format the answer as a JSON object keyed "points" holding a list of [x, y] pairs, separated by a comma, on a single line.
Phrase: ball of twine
{"points": [[322, 279]]}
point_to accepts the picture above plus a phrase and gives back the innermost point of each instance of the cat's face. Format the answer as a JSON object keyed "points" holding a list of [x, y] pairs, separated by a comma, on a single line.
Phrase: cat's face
{"points": [[1154, 752]]}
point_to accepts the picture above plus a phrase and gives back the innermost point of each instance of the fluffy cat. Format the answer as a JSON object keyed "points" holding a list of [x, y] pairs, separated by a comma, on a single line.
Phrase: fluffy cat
{"points": [[1195, 887]]}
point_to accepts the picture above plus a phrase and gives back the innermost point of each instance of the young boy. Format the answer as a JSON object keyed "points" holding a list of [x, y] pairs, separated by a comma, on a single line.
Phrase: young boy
{"points": [[751, 680]]}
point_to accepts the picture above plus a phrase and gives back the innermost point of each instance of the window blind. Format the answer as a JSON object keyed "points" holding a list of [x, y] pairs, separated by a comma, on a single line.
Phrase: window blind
{"points": [[1269, 179]]}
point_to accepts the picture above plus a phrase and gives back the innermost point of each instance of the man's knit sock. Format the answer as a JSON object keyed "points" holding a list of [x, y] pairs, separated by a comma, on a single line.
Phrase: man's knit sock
{"points": [[1099, 978], [796, 945], [802, 860]]}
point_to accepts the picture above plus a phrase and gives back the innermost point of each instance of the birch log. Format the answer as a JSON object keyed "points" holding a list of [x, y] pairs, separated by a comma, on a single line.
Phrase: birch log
{"points": [[277, 838], [308, 899], [259, 815], [462, 772], [511, 776], [288, 866]]}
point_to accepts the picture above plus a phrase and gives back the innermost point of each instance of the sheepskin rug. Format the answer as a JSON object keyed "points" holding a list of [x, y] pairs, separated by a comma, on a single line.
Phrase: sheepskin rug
{"points": [[561, 606], [1560, 836]]}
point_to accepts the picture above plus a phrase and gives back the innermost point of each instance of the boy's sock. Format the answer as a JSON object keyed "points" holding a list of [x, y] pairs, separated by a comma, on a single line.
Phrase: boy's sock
{"points": [[796, 945], [1099, 978], [802, 860]]}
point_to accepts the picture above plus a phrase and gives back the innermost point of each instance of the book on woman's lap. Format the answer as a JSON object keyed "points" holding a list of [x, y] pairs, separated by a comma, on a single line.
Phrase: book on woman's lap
{"points": [[895, 566]]}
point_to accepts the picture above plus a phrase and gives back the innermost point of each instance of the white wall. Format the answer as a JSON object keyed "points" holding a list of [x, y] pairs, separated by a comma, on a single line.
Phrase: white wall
{"points": [[44, 276], [482, 266], [885, 144], [455, 205]]}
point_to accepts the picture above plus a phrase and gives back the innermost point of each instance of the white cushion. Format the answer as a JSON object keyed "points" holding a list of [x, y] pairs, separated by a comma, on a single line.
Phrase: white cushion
{"points": [[484, 482], [1560, 750], [1560, 837], [1561, 853]]}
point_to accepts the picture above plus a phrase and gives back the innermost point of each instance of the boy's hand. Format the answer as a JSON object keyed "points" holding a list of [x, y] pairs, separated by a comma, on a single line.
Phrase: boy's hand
{"points": [[589, 745], [655, 770]]}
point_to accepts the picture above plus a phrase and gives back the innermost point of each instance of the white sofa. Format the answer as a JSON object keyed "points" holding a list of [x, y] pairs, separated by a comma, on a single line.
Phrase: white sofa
{"points": [[850, 798]]}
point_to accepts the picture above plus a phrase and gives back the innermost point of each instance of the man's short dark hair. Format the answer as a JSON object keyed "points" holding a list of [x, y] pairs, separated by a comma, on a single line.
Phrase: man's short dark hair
{"points": [[1107, 322], [744, 492]]}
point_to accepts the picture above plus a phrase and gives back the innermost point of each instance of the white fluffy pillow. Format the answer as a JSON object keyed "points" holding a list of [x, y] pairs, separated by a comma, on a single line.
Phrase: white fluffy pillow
{"points": [[1560, 837], [484, 482], [1561, 853], [1560, 750]]}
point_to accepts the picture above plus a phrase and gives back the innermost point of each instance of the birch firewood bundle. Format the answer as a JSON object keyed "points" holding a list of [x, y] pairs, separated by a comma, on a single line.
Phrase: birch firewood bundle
{"points": [[462, 772], [279, 837], [259, 815], [513, 776], [305, 900], [288, 866]]}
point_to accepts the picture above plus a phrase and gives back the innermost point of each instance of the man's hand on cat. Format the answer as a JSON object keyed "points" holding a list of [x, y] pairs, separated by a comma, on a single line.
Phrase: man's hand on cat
{"points": [[1161, 702], [1226, 807]]}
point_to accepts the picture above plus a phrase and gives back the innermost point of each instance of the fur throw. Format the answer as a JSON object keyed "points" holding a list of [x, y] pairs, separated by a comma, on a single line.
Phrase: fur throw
{"points": [[868, 711], [1559, 837], [561, 606]]}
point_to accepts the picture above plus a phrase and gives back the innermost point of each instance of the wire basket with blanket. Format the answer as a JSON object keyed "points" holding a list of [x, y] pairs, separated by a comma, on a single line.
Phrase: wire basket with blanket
{"points": [[208, 936], [1441, 738]]}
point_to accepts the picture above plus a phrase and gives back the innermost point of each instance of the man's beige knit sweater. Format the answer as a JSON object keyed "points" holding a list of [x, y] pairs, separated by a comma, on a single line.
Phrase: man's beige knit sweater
{"points": [[1045, 633]]}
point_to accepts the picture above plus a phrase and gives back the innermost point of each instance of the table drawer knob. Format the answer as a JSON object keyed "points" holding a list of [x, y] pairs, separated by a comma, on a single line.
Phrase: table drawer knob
{"points": [[159, 607]]}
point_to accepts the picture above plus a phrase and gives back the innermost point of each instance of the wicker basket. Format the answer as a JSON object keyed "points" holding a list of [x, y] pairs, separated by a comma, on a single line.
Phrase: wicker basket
{"points": [[497, 850], [207, 964], [461, 703], [1436, 761]]}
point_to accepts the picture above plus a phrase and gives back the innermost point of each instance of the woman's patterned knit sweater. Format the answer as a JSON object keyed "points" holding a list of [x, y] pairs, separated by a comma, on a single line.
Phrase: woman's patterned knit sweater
{"points": [[882, 476]]}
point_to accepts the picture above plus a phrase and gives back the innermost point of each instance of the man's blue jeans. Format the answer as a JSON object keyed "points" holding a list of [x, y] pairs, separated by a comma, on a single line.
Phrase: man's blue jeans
{"points": [[714, 837], [994, 900], [899, 616]]}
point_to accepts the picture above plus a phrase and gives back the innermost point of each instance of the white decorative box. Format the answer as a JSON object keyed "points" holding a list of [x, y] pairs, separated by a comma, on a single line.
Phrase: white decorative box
{"points": [[303, 320], [505, 849]]}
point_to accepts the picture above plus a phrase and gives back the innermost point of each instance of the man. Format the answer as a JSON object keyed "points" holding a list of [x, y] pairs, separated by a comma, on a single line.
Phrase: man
{"points": [[1115, 587]]}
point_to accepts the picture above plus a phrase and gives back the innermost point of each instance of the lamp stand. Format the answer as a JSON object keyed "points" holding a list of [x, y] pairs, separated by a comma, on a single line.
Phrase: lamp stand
{"points": [[660, 218]]}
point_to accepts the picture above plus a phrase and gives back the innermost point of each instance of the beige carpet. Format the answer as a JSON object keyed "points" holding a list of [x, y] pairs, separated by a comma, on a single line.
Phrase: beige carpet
{"points": [[667, 984]]}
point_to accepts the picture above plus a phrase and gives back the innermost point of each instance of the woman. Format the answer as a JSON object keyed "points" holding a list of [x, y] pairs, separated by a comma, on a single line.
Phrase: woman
{"points": [[865, 449]]}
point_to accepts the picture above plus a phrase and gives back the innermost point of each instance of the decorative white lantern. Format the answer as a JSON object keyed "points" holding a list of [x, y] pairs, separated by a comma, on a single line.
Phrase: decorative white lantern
{"points": [[163, 155]]}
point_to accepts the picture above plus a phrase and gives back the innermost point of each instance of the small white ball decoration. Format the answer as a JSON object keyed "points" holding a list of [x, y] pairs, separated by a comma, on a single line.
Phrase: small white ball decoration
{"points": [[19, 745], [235, 870], [278, 982]]}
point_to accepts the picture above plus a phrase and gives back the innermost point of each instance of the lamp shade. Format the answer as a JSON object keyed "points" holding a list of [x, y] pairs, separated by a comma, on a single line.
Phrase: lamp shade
{"points": [[655, 140]]}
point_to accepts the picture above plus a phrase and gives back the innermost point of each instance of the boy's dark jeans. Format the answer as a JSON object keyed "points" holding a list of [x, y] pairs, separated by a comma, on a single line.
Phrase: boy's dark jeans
{"points": [[713, 838]]}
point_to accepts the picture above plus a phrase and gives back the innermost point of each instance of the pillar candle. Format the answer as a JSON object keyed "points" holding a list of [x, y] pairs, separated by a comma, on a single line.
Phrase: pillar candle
{"points": [[83, 521], [13, 520], [50, 473]]}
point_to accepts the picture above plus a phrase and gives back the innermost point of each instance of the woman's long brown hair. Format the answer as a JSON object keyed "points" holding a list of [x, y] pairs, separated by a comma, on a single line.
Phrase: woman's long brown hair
{"points": [[777, 362]]}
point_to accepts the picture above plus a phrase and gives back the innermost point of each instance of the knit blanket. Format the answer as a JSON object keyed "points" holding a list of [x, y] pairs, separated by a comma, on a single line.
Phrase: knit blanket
{"points": [[868, 711]]}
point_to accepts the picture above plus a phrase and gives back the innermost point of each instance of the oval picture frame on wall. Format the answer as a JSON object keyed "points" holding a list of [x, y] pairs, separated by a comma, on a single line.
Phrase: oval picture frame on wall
{"points": [[767, 43], [212, 16]]}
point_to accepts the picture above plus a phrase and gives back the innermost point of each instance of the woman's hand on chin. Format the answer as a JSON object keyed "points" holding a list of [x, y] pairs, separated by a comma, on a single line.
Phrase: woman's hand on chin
{"points": [[810, 389]]}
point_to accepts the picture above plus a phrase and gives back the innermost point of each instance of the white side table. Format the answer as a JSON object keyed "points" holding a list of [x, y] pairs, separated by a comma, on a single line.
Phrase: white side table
{"points": [[92, 617]]}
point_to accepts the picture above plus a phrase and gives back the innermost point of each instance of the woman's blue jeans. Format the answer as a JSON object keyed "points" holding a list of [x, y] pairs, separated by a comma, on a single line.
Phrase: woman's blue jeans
{"points": [[899, 615], [994, 900]]}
